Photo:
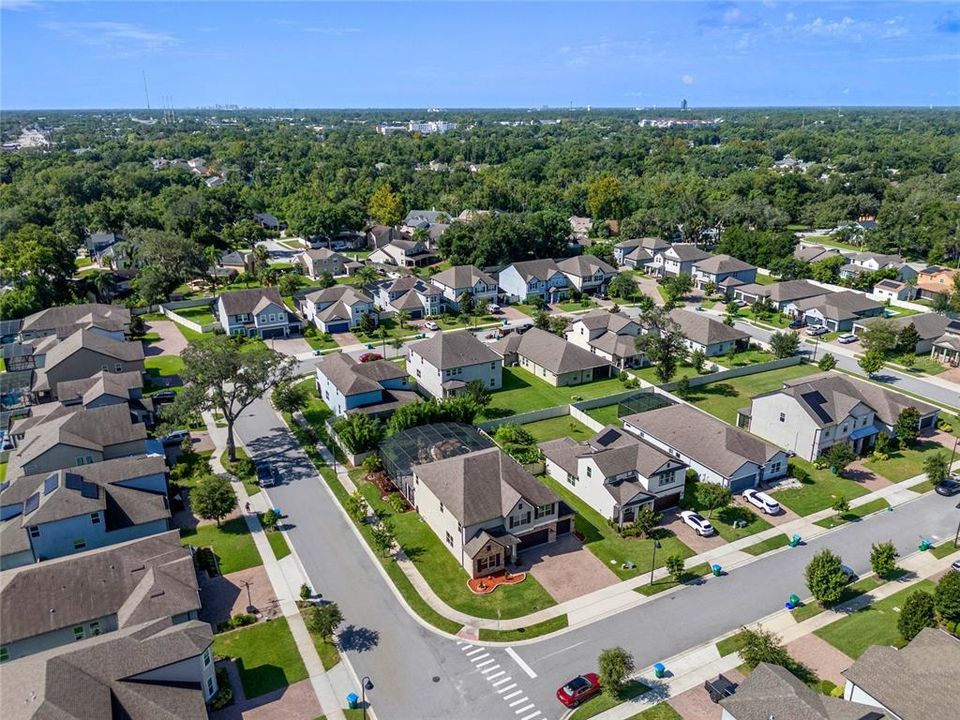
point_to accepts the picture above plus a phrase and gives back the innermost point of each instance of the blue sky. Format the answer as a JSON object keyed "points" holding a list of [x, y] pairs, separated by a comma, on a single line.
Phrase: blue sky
{"points": [[365, 54]]}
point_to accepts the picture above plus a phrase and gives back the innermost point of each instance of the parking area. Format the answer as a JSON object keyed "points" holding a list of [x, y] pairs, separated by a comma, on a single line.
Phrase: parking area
{"points": [[686, 534], [566, 569]]}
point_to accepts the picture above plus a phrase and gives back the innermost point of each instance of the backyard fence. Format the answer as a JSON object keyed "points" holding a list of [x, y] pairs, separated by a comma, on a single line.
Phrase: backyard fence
{"points": [[669, 388], [170, 310]]}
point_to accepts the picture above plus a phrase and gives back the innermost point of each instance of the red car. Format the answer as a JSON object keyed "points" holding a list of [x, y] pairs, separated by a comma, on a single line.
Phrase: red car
{"points": [[579, 689]]}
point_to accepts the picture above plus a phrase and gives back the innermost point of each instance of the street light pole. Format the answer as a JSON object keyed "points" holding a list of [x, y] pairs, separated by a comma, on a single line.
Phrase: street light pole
{"points": [[365, 685], [956, 538], [653, 560], [953, 455]]}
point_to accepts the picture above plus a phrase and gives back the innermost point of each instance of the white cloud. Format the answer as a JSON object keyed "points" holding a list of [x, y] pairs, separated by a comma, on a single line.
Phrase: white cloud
{"points": [[850, 29], [117, 36], [687, 79], [790, 17], [18, 4], [846, 91], [335, 31]]}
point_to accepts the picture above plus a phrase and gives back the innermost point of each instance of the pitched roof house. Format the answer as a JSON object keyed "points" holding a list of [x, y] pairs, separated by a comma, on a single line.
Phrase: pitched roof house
{"points": [[612, 336], [708, 335], [893, 290], [337, 309], [64, 320], [814, 253], [317, 261], [718, 452], [82, 354], [551, 358], [256, 312], [718, 269], [929, 327], [459, 279], [521, 281], [935, 280], [678, 259], [374, 388], [446, 362], [403, 253], [779, 294], [837, 311], [587, 273], [408, 293]]}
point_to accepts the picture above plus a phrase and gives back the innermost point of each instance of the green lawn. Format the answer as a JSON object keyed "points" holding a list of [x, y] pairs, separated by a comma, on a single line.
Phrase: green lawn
{"points": [[819, 492], [869, 584], [668, 583], [201, 314], [876, 624], [941, 551], [771, 543], [328, 652], [924, 365], [606, 414], [775, 319], [249, 481], [660, 711], [611, 549], [922, 486], [732, 644], [723, 520], [278, 544], [84, 262], [649, 374], [266, 656], [573, 307], [164, 369], [318, 343], [3, 471], [231, 543], [565, 426], [604, 701], [445, 575], [543, 628], [853, 514], [725, 397], [905, 464], [522, 392], [747, 357], [765, 279]]}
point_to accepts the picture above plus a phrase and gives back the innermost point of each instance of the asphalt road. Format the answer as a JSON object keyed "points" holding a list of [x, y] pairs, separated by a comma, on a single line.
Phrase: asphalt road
{"points": [[418, 674]]}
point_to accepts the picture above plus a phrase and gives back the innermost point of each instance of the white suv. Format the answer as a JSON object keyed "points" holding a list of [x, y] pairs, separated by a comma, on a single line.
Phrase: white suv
{"points": [[762, 501]]}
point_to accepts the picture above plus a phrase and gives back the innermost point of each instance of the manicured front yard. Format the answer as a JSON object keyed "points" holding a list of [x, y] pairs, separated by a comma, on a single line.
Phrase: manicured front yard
{"points": [[854, 514], [660, 711], [522, 392], [328, 652], [819, 491], [747, 357], [543, 628], [941, 551], [163, 369], [231, 543], [732, 644], [553, 428], [905, 464], [201, 314], [725, 397], [876, 624], [611, 549], [869, 584], [576, 306], [266, 656], [668, 583], [771, 543], [723, 520], [604, 701], [278, 543]]}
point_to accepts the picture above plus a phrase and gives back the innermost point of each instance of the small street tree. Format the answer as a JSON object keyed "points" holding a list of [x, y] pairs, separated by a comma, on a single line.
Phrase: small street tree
{"points": [[289, 397], [383, 537], [785, 344], [825, 577], [917, 613], [356, 506], [212, 498], [763, 646], [221, 374], [713, 496], [871, 362], [839, 456], [366, 325], [731, 313], [675, 566], [827, 362], [907, 339], [936, 467], [683, 387], [946, 597], [883, 559], [907, 427], [646, 520], [615, 665], [324, 620], [841, 505]]}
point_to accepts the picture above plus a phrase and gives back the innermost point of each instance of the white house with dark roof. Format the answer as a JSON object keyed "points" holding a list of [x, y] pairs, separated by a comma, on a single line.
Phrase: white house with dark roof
{"points": [[616, 473], [836, 311], [551, 358], [375, 388], [337, 309], [408, 293], [317, 261], [887, 290], [612, 336], [643, 256], [524, 280], [718, 452], [678, 259], [256, 312], [587, 273], [780, 295], [446, 362], [459, 279], [708, 335], [717, 269], [403, 253], [486, 509], [869, 262]]}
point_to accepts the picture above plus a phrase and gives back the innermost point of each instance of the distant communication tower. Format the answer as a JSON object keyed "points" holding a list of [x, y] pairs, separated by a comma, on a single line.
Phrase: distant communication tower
{"points": [[683, 105], [145, 91]]}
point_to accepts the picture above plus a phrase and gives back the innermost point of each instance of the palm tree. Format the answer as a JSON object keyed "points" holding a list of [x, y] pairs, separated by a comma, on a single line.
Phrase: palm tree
{"points": [[102, 284], [403, 318], [367, 275], [261, 259]]}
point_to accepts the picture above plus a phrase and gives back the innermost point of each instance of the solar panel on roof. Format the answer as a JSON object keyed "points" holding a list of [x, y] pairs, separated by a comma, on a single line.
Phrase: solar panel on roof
{"points": [[32, 503], [610, 436], [50, 484], [74, 481], [89, 491]]}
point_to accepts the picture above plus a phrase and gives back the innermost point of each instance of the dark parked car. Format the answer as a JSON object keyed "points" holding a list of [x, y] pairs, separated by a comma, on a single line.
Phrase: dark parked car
{"points": [[796, 325], [720, 688], [579, 689], [164, 396], [949, 487], [266, 475], [521, 329]]}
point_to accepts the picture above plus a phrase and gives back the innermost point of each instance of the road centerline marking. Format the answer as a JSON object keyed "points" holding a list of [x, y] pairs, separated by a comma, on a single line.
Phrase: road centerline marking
{"points": [[523, 666]]}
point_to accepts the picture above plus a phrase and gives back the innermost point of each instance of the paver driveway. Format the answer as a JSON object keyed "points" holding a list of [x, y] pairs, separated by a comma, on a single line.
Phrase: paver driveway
{"points": [[821, 657], [566, 569], [687, 535], [695, 704]]}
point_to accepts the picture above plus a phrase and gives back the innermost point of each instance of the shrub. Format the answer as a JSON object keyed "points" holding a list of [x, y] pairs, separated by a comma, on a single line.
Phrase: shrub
{"points": [[947, 596], [244, 467], [798, 473], [397, 503], [511, 433], [359, 432], [615, 665], [675, 567], [238, 621], [826, 687], [305, 592], [916, 614], [224, 694], [825, 577], [372, 463], [883, 558]]}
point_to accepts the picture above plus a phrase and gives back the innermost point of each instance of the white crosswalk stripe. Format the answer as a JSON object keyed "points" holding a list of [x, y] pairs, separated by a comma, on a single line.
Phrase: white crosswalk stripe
{"points": [[530, 716], [513, 694], [501, 691], [498, 682], [474, 652], [523, 709], [517, 702], [490, 669], [485, 663], [488, 665], [478, 658]]}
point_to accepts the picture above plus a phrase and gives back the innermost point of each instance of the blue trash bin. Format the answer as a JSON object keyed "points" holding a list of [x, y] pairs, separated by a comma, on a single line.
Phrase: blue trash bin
{"points": [[717, 570], [353, 701], [659, 669]]}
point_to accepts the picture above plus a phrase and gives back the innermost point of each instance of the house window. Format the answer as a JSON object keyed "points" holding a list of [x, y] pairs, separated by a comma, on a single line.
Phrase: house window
{"points": [[775, 467], [210, 685], [78, 632], [493, 382], [571, 480], [441, 508], [94, 518], [783, 417], [543, 511], [105, 367], [449, 539], [118, 367], [79, 544], [34, 531], [664, 480], [589, 471], [206, 657], [493, 366], [95, 628], [418, 373], [4, 654]]}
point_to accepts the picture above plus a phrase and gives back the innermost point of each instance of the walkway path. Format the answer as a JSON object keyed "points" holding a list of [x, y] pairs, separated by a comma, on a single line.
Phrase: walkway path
{"points": [[285, 576], [693, 667]]}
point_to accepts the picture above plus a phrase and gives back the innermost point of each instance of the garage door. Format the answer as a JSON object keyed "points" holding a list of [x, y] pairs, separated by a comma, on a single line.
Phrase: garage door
{"points": [[742, 483], [535, 538], [926, 422], [338, 327], [564, 527], [667, 501], [273, 333]]}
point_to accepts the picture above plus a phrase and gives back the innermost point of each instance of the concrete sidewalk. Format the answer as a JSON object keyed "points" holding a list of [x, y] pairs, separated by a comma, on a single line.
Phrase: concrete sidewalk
{"points": [[693, 667], [286, 576]]}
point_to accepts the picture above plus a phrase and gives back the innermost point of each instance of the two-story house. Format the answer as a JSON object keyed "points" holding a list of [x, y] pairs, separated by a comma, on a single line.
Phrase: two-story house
{"points": [[403, 253], [49, 515], [338, 309], [612, 336], [523, 281], [62, 601], [317, 261], [708, 335], [717, 452], [935, 280], [718, 269], [446, 362], [809, 415], [256, 312], [64, 320], [615, 473], [486, 509], [869, 262], [678, 259], [459, 279], [551, 358], [375, 388], [587, 273], [646, 256], [81, 355], [835, 311], [408, 293], [107, 388]]}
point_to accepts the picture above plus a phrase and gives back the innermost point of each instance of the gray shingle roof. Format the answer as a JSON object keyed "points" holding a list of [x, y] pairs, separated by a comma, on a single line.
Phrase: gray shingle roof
{"points": [[717, 264], [839, 306], [614, 450], [705, 330], [549, 351], [351, 377], [539, 269], [463, 276], [689, 252], [338, 293], [94, 341], [585, 266], [108, 317], [103, 383], [250, 301], [482, 485], [791, 290], [447, 350], [929, 326]]}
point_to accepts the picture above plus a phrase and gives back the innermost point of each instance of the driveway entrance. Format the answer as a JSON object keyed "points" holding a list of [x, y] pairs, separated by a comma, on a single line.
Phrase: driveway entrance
{"points": [[566, 569]]}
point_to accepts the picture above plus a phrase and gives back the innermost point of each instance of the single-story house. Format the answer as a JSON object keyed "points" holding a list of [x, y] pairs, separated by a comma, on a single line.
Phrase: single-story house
{"points": [[708, 335], [612, 336], [809, 415], [836, 311], [268, 221], [487, 509], [459, 279], [374, 388], [317, 261], [551, 358], [780, 294], [929, 327], [446, 362], [718, 452], [587, 273], [717, 269], [814, 253], [886, 290], [616, 473], [524, 280], [256, 312], [337, 309]]}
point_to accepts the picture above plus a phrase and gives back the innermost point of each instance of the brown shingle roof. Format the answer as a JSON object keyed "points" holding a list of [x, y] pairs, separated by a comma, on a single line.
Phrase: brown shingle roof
{"points": [[585, 266], [703, 329], [716, 264], [549, 351], [463, 276], [250, 301], [447, 350]]}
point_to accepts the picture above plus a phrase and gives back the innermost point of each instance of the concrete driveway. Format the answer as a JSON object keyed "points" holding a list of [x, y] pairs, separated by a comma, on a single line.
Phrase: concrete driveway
{"points": [[566, 569], [292, 346], [171, 340], [686, 534]]}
